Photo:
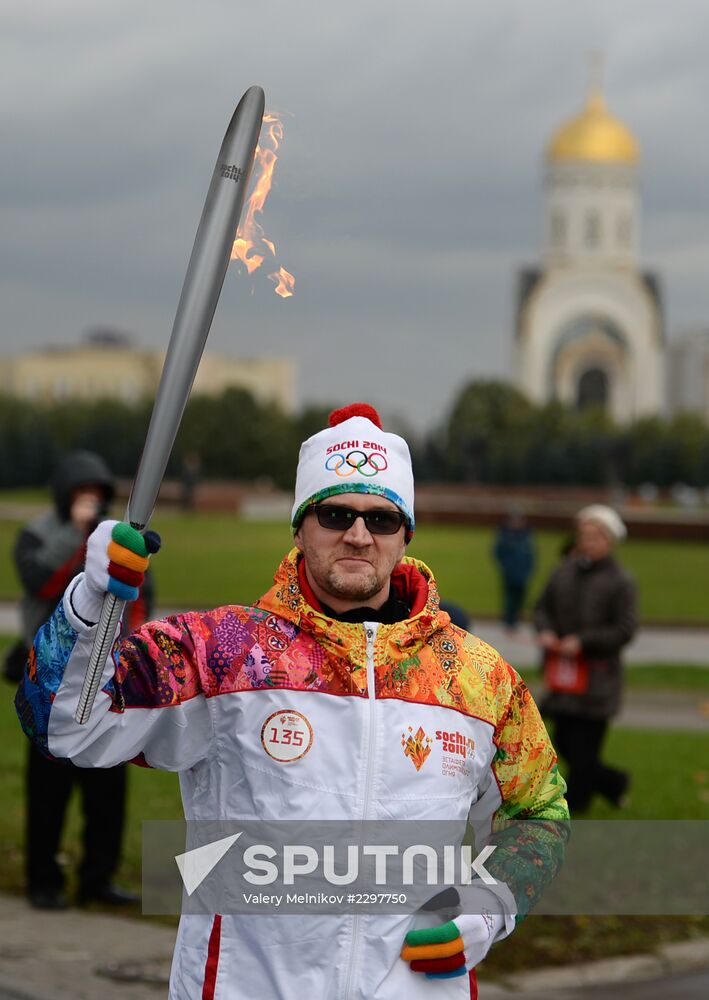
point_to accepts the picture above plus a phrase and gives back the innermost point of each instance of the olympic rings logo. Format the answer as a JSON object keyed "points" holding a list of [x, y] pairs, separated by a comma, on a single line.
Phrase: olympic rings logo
{"points": [[356, 461]]}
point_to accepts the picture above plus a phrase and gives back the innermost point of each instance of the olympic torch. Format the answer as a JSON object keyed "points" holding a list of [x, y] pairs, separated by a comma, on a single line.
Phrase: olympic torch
{"points": [[200, 292]]}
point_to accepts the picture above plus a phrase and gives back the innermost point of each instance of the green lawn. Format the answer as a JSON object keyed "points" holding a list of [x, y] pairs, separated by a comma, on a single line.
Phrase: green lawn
{"points": [[212, 559], [659, 676], [670, 774], [29, 495], [651, 677]]}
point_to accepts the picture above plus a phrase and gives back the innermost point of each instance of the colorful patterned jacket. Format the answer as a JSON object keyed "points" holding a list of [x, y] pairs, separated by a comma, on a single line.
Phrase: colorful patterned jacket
{"points": [[414, 720]]}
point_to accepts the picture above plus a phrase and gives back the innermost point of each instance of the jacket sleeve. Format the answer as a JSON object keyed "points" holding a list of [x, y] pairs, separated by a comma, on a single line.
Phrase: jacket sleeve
{"points": [[609, 638], [46, 565], [522, 811], [151, 704]]}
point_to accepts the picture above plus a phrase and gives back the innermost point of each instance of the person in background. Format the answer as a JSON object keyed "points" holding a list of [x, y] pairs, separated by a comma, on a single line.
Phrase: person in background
{"points": [[585, 615], [49, 553], [190, 475], [514, 553]]}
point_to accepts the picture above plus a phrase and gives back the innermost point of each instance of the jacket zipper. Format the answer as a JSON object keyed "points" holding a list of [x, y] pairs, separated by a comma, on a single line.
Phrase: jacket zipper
{"points": [[370, 631]]}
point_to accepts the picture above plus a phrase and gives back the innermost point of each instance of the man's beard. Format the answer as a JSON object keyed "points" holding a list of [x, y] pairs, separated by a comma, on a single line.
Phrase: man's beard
{"points": [[352, 589]]}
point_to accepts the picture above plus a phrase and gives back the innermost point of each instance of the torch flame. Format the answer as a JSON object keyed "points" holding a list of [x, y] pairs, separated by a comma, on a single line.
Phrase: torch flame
{"points": [[250, 236], [285, 282], [240, 251]]}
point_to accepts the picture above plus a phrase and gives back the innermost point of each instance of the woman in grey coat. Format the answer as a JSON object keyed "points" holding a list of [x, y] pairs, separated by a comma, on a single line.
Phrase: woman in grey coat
{"points": [[585, 615]]}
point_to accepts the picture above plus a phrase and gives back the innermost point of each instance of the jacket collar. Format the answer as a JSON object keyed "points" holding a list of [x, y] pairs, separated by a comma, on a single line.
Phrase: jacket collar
{"points": [[412, 582]]}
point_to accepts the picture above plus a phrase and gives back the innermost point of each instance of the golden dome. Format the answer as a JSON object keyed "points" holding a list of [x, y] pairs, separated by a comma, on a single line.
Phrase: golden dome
{"points": [[594, 135]]}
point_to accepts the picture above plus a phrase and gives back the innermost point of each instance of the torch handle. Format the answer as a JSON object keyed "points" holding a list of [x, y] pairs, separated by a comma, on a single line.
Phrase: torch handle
{"points": [[111, 612]]}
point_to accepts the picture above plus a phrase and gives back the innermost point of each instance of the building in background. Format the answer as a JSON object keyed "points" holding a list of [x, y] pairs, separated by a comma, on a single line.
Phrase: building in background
{"points": [[589, 327], [688, 373], [109, 365]]}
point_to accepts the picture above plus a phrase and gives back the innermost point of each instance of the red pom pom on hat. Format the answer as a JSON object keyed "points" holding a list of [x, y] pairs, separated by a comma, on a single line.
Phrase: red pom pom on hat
{"points": [[355, 410]]}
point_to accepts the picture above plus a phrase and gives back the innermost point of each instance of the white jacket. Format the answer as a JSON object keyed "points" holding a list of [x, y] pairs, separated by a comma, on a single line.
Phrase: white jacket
{"points": [[373, 706]]}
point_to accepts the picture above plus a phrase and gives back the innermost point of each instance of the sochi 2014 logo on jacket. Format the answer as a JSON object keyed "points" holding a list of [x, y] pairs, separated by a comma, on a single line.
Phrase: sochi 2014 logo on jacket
{"points": [[417, 746], [457, 749]]}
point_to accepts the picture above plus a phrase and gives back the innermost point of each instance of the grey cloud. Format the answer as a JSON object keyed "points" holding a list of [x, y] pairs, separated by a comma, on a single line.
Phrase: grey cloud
{"points": [[409, 188]]}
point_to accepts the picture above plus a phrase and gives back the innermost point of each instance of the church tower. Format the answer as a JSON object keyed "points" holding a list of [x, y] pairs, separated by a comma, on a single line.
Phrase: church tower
{"points": [[589, 322]]}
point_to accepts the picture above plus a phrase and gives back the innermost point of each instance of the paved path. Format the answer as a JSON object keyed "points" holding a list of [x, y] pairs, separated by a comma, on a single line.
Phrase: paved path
{"points": [[675, 971], [70, 955], [664, 710], [692, 986], [652, 644]]}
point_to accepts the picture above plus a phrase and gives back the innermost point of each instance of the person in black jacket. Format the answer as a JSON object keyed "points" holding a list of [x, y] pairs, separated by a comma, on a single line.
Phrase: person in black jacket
{"points": [[48, 553], [585, 615]]}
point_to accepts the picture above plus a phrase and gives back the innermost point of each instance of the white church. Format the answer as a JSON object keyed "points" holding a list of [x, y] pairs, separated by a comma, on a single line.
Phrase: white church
{"points": [[589, 327]]}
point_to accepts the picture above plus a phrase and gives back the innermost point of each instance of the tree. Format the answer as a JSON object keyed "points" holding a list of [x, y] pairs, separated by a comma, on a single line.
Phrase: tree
{"points": [[485, 410], [237, 437]]}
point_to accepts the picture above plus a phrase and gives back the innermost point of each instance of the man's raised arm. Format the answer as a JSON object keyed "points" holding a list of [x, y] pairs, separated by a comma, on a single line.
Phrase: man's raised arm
{"points": [[151, 704]]}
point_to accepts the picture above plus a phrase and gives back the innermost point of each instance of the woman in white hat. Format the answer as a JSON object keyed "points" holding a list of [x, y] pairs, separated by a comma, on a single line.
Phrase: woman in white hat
{"points": [[584, 617]]}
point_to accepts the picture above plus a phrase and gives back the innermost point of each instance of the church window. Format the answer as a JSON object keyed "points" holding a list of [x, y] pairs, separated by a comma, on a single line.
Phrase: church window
{"points": [[592, 232], [592, 389]]}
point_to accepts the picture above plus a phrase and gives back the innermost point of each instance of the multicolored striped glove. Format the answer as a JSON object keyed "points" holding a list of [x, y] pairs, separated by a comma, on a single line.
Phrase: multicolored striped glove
{"points": [[129, 554], [117, 557], [454, 948]]}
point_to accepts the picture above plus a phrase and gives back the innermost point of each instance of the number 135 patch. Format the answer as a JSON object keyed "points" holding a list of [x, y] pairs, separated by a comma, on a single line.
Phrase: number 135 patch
{"points": [[286, 736]]}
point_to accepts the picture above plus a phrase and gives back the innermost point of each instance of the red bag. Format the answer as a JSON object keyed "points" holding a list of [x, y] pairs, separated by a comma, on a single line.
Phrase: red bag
{"points": [[567, 673]]}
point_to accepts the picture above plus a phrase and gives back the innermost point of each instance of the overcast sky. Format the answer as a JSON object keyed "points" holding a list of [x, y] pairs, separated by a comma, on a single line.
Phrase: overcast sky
{"points": [[408, 191]]}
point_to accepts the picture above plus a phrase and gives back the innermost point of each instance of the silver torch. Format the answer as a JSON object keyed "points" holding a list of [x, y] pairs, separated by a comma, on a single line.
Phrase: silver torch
{"points": [[200, 292]]}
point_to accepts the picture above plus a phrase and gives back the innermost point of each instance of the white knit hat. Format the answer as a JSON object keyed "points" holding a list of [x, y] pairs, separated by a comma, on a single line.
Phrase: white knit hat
{"points": [[354, 455], [606, 518]]}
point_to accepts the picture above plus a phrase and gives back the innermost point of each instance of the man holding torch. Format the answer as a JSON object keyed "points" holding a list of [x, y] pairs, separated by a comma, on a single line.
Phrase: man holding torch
{"points": [[351, 643]]}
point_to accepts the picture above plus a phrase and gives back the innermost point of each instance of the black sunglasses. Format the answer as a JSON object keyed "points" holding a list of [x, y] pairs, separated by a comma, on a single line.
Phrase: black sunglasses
{"points": [[377, 522]]}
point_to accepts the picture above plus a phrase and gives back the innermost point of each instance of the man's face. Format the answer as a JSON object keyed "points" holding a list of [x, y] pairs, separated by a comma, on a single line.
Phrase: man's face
{"points": [[85, 506], [348, 569], [89, 492], [592, 541]]}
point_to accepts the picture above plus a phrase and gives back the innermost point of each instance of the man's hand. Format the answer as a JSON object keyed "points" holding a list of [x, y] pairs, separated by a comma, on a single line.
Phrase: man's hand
{"points": [[117, 557], [452, 949]]}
